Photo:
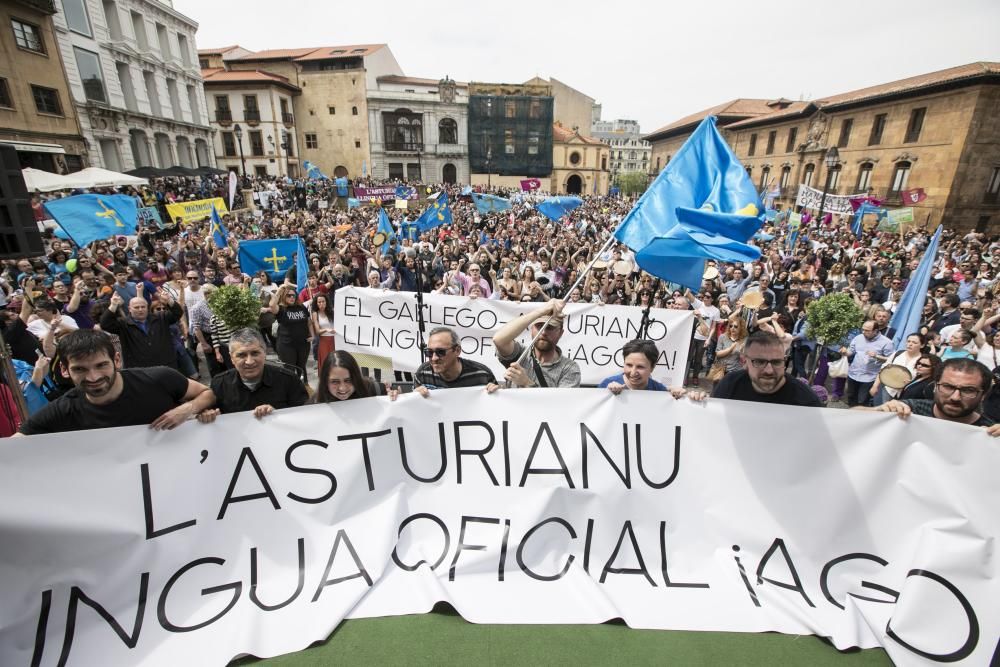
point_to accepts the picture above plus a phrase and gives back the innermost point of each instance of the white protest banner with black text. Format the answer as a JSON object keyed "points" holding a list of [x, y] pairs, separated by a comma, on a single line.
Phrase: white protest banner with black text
{"points": [[130, 546], [379, 322]]}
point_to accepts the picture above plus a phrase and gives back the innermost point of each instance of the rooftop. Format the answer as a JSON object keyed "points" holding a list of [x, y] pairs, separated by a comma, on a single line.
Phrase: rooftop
{"points": [[395, 78], [914, 83], [218, 51], [738, 109], [562, 135], [217, 76]]}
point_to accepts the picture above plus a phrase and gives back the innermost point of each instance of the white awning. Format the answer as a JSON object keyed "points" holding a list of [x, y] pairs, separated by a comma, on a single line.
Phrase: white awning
{"points": [[32, 147]]}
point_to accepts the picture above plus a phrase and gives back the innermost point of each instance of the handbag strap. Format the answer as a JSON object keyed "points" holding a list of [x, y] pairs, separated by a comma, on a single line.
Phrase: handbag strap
{"points": [[539, 377]]}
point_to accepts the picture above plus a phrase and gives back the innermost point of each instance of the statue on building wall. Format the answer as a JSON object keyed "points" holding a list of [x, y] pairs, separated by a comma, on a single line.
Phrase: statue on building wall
{"points": [[446, 90], [817, 128]]}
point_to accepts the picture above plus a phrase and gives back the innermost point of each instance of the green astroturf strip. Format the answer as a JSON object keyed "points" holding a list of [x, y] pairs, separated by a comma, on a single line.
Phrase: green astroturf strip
{"points": [[444, 638]]}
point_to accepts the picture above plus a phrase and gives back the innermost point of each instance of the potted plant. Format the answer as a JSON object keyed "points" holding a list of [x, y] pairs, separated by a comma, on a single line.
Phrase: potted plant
{"points": [[830, 318], [236, 306]]}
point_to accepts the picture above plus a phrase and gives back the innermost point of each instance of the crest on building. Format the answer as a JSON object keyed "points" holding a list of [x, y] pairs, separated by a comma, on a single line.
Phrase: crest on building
{"points": [[446, 89]]}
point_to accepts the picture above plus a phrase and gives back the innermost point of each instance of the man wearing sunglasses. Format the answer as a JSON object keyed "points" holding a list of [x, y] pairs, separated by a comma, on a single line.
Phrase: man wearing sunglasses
{"points": [[763, 378], [446, 369]]}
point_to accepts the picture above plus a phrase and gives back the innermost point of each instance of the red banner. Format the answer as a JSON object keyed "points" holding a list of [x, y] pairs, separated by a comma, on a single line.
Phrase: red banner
{"points": [[914, 196], [530, 184]]}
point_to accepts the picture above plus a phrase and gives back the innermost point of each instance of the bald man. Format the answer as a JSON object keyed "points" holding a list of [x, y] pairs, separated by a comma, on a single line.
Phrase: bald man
{"points": [[145, 336]]}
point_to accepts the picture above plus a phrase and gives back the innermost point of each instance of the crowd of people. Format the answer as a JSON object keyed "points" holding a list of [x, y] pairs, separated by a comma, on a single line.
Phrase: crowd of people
{"points": [[96, 332]]}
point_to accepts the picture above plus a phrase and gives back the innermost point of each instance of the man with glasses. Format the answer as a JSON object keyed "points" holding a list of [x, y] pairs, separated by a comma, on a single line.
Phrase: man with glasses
{"points": [[545, 366], [867, 352], [446, 369], [961, 386], [763, 379]]}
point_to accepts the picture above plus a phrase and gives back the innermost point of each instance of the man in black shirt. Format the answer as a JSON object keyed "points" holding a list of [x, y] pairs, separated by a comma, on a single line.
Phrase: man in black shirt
{"points": [[252, 384], [446, 369], [145, 338], [763, 379], [104, 396]]}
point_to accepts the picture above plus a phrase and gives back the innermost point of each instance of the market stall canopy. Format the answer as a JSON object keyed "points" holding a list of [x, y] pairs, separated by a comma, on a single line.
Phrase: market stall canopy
{"points": [[37, 180], [181, 171], [211, 171], [95, 177], [147, 172]]}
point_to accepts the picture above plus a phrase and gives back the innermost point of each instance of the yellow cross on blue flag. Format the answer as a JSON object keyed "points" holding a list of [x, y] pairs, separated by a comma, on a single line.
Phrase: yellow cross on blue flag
{"points": [[701, 206], [436, 214], [89, 218], [275, 256], [219, 232]]}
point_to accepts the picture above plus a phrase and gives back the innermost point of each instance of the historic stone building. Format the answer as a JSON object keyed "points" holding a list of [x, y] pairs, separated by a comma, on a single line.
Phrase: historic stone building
{"points": [[570, 108], [938, 131], [629, 151], [253, 118], [136, 84], [37, 115], [331, 111], [419, 129], [579, 163]]}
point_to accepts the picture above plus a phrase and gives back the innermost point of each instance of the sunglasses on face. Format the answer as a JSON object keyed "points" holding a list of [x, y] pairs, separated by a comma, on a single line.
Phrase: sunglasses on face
{"points": [[432, 352]]}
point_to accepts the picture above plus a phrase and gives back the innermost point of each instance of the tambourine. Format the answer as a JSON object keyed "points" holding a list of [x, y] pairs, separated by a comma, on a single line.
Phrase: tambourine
{"points": [[622, 268], [752, 298], [711, 273], [378, 238], [895, 376], [600, 265]]}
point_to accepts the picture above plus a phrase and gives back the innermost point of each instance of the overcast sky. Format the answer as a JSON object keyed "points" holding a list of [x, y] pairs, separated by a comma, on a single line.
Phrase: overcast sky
{"points": [[652, 62]]}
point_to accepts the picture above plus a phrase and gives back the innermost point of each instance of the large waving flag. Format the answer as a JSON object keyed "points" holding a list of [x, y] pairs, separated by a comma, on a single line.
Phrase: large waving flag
{"points": [[701, 206], [490, 203], [301, 265], [554, 208], [275, 256], [436, 214], [385, 229], [863, 210], [906, 319], [312, 171], [89, 218], [219, 232]]}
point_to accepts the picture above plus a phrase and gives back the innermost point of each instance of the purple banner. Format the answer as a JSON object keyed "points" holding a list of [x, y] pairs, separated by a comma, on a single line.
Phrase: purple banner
{"points": [[384, 192]]}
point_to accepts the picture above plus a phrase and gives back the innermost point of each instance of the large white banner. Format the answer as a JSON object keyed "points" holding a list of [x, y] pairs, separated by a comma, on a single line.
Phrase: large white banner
{"points": [[811, 198], [384, 323], [194, 546]]}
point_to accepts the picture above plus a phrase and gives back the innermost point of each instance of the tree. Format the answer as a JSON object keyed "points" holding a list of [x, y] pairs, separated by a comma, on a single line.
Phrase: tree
{"points": [[632, 182], [830, 318], [236, 306]]}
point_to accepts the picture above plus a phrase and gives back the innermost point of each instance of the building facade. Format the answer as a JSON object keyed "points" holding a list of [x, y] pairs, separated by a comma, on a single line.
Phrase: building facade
{"points": [[419, 129], [570, 108], [37, 115], [580, 164], [629, 151], [510, 133], [938, 131], [254, 122], [135, 81], [331, 111]]}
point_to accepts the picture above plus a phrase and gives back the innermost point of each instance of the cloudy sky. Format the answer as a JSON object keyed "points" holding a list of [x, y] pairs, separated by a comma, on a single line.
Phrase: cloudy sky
{"points": [[652, 62]]}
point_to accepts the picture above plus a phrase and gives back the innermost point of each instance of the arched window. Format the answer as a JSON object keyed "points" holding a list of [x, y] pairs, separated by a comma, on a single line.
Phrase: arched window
{"points": [[900, 177], [765, 175], [834, 178], [447, 131], [807, 175], [786, 174], [865, 176]]}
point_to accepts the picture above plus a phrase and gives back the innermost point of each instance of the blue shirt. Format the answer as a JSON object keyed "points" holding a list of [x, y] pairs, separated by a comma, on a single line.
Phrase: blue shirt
{"points": [[652, 385], [864, 367]]}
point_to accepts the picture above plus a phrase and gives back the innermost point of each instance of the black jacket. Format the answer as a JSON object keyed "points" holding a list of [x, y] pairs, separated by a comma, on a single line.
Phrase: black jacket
{"points": [[142, 349]]}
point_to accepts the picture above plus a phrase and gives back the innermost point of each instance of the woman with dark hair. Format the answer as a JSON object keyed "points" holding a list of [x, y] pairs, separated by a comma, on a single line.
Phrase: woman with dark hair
{"points": [[638, 361], [321, 312], [922, 385], [340, 379], [792, 305]]}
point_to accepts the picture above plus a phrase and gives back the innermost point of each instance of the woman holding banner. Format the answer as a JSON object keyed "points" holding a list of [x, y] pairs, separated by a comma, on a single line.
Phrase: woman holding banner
{"points": [[340, 379]]}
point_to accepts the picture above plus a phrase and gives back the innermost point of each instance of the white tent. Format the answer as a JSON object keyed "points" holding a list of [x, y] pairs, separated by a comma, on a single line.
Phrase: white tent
{"points": [[45, 181], [95, 177]]}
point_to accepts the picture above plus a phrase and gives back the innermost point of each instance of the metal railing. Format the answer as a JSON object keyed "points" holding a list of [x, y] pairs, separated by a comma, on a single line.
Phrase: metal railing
{"points": [[251, 115], [223, 116]]}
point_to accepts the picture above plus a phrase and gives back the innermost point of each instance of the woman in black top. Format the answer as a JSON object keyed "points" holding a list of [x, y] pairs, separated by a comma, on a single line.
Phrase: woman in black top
{"points": [[922, 386], [294, 329]]}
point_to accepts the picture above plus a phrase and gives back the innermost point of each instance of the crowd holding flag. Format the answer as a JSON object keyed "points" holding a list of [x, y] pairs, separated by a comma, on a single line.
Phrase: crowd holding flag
{"points": [[384, 231], [436, 214], [530, 184], [906, 319], [275, 256], [490, 203], [219, 232], [88, 218], [555, 208], [701, 206], [312, 171], [914, 196]]}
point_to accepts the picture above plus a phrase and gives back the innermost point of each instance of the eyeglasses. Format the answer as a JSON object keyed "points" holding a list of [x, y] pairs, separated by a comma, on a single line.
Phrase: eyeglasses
{"points": [[432, 352], [761, 363], [964, 392]]}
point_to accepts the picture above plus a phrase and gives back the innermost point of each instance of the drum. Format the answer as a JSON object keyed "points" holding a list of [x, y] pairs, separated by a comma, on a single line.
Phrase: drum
{"points": [[379, 238], [600, 265], [711, 273], [895, 376], [752, 298], [622, 268]]}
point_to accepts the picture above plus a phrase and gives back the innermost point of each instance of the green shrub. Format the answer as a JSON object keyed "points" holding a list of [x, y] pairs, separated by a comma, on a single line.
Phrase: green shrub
{"points": [[830, 318], [236, 306]]}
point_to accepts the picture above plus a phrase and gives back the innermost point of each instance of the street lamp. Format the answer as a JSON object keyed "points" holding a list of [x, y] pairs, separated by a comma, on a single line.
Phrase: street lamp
{"points": [[284, 147], [239, 142], [832, 160], [489, 156]]}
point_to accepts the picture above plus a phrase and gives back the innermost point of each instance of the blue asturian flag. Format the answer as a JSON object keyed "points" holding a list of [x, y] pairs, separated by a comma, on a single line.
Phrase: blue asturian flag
{"points": [[701, 206], [341, 184], [312, 171], [436, 214], [219, 232], [490, 203], [909, 310], [554, 208], [385, 227], [301, 265], [353, 203], [275, 256], [856, 224], [89, 218]]}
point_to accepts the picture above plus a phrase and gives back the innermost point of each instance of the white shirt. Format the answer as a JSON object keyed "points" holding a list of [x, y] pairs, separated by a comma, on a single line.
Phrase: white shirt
{"points": [[711, 315], [191, 299], [40, 327], [946, 333]]}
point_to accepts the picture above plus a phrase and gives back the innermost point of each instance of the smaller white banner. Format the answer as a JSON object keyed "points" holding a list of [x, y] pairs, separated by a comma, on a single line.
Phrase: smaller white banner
{"points": [[811, 197]]}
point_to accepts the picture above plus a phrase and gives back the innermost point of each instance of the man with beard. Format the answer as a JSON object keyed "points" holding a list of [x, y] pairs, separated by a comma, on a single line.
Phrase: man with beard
{"points": [[959, 390], [446, 369], [105, 396], [545, 366], [763, 378]]}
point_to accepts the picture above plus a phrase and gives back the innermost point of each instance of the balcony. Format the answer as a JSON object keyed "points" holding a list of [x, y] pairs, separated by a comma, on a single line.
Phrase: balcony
{"points": [[223, 116], [287, 118], [403, 147], [252, 116]]}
